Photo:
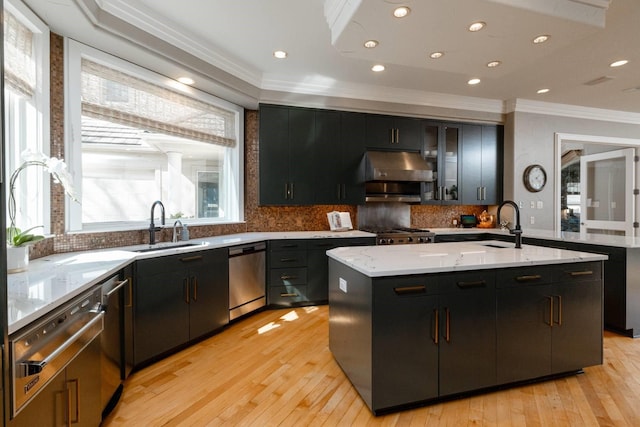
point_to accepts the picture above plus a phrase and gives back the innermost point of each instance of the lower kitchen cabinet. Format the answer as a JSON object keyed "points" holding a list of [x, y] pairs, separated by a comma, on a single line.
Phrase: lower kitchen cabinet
{"points": [[440, 329], [177, 299], [71, 398], [297, 269], [549, 320]]}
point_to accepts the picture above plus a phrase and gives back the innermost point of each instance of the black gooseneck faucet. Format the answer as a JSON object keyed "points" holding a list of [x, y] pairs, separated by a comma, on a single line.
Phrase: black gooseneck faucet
{"points": [[152, 226], [517, 231]]}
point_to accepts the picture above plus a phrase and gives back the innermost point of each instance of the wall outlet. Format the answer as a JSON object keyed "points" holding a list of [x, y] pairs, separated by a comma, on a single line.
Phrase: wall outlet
{"points": [[533, 220], [343, 285]]}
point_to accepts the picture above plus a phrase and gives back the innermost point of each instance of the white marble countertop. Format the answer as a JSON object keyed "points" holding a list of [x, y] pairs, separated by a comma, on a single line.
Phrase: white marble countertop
{"points": [[394, 260], [53, 280], [592, 239]]}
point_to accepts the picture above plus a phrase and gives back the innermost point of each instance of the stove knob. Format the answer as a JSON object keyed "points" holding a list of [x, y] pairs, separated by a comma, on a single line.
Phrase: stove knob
{"points": [[390, 241], [410, 239], [423, 240], [382, 241]]}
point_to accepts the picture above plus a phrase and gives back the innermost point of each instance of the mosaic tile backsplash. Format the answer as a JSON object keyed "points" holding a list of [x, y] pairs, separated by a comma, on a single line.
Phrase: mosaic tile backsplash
{"points": [[257, 218]]}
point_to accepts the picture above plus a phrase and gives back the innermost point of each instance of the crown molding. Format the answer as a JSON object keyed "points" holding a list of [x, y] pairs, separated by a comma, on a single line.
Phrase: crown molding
{"points": [[386, 94], [573, 111], [103, 12]]}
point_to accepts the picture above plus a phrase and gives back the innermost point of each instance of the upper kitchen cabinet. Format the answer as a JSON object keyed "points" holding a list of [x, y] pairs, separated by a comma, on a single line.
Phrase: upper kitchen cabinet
{"points": [[481, 164], [286, 141], [310, 156], [393, 133], [442, 153]]}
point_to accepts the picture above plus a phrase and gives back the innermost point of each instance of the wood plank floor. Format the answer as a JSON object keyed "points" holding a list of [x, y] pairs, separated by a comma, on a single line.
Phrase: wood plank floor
{"points": [[275, 369]]}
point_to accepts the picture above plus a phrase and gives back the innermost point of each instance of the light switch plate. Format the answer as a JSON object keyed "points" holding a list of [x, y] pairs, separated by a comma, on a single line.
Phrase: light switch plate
{"points": [[343, 285]]}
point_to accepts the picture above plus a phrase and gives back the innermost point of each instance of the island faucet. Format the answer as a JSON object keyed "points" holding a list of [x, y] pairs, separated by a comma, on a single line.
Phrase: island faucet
{"points": [[517, 231], [152, 226]]}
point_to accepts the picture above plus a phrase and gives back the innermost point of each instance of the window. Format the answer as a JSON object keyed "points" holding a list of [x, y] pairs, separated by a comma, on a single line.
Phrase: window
{"points": [[26, 92], [142, 137]]}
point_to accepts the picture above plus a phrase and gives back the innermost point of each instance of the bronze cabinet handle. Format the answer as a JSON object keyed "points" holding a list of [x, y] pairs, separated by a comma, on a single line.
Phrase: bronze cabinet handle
{"points": [[191, 258], [529, 278], [550, 311], [473, 284], [288, 295], [581, 273], [436, 328], [447, 334], [288, 277], [408, 290]]}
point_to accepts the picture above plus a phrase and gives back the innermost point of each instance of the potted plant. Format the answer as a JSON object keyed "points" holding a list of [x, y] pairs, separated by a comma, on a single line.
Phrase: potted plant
{"points": [[18, 241]]}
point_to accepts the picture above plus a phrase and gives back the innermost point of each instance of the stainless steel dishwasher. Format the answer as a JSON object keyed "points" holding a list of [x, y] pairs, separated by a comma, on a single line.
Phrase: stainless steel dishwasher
{"points": [[247, 290]]}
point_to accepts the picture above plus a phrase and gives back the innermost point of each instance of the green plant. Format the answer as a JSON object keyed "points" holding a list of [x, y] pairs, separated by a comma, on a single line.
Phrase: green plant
{"points": [[17, 237]]}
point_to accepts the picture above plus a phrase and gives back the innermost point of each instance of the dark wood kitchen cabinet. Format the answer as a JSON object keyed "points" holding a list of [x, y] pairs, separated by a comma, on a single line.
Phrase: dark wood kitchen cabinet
{"points": [[297, 269], [177, 299], [393, 133], [549, 320], [481, 164], [428, 335], [286, 140], [442, 153], [310, 156]]}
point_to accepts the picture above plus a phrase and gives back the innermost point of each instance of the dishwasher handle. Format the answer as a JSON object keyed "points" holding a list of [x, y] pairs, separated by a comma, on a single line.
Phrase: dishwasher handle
{"points": [[33, 367], [247, 249]]}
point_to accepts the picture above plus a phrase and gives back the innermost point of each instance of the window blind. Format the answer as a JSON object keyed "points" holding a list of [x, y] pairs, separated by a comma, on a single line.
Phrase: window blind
{"points": [[115, 96], [19, 61]]}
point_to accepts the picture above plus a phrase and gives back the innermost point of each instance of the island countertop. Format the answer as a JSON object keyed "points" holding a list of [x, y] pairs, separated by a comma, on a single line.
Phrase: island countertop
{"points": [[395, 260]]}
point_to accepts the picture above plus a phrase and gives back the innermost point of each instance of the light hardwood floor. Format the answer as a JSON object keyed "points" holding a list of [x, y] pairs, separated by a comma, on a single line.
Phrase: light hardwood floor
{"points": [[275, 369]]}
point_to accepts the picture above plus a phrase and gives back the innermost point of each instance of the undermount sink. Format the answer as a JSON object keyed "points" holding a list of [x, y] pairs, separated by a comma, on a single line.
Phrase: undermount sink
{"points": [[493, 245], [163, 247]]}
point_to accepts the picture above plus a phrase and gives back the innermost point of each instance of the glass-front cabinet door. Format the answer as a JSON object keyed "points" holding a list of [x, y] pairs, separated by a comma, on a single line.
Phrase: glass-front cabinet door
{"points": [[441, 151]]}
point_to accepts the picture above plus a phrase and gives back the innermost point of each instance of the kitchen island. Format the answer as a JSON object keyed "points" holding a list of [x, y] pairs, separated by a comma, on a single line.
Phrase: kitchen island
{"points": [[412, 324]]}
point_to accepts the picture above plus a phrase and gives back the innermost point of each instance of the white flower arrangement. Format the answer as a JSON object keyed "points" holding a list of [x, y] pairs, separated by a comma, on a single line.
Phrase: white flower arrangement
{"points": [[58, 170]]}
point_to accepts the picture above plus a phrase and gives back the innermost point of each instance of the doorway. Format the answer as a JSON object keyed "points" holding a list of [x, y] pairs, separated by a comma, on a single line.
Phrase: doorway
{"points": [[595, 178]]}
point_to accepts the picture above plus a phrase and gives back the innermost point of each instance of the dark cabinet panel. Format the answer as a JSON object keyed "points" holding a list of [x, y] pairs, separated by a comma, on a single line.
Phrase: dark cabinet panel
{"points": [[394, 133], [177, 299], [481, 170], [274, 155]]}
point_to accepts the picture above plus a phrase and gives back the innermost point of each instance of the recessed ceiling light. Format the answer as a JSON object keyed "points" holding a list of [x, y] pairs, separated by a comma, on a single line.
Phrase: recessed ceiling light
{"points": [[377, 68], [280, 54], [493, 64], [476, 26], [541, 39], [370, 44], [473, 81], [436, 55], [401, 12], [186, 80], [618, 63], [541, 91]]}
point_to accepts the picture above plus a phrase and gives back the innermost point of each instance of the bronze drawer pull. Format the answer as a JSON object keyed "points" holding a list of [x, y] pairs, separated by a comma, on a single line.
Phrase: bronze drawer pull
{"points": [[287, 277], [289, 295], [528, 278], [475, 284], [581, 273], [407, 290], [288, 259], [191, 258]]}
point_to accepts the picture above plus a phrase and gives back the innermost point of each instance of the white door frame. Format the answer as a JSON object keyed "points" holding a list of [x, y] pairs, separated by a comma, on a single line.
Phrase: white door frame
{"points": [[592, 139]]}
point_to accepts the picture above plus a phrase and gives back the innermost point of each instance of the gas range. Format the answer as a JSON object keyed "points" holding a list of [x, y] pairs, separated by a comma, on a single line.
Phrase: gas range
{"points": [[401, 235]]}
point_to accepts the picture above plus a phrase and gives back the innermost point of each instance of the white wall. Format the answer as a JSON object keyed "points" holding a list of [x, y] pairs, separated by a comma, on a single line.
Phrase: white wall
{"points": [[530, 138]]}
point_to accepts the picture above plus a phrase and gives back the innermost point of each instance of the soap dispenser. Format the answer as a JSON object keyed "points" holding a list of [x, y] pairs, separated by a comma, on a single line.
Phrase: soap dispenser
{"points": [[184, 234]]}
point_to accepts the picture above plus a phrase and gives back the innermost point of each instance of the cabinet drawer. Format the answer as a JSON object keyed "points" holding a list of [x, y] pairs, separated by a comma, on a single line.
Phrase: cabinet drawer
{"points": [[287, 245], [524, 276], [173, 263], [578, 272], [287, 295], [404, 287], [287, 276], [288, 259], [467, 281]]}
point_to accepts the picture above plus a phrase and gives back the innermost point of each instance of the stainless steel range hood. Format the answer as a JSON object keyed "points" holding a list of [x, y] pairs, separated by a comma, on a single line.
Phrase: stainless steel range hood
{"points": [[399, 166], [394, 176]]}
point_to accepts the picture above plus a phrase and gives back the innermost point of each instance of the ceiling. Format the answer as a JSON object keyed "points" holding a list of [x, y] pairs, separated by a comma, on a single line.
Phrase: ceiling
{"points": [[324, 40]]}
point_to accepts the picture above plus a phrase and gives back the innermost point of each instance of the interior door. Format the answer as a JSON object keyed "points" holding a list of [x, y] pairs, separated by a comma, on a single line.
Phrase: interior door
{"points": [[607, 204]]}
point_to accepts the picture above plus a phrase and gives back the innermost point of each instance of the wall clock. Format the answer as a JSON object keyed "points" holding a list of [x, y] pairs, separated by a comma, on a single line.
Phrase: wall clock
{"points": [[534, 178]]}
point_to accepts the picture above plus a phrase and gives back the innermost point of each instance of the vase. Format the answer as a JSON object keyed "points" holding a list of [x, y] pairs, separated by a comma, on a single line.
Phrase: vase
{"points": [[17, 258]]}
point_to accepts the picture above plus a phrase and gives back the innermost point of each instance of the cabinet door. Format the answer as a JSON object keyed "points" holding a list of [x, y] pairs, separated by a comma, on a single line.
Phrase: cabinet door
{"points": [[408, 133], [380, 132], [471, 165], [523, 332], [274, 155], [352, 142], [405, 354], [441, 152], [491, 165], [208, 277], [161, 313], [84, 382], [577, 331], [467, 332], [300, 163], [48, 408], [327, 154]]}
